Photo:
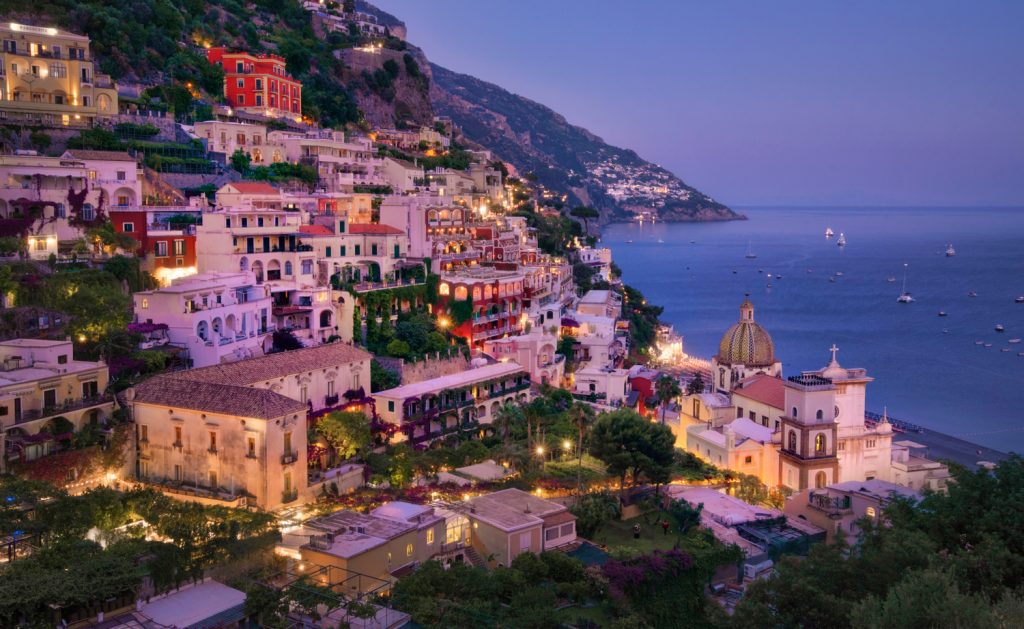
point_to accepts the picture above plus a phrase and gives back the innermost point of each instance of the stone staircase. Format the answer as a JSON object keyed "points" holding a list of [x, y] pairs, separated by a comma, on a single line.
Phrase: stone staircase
{"points": [[474, 557]]}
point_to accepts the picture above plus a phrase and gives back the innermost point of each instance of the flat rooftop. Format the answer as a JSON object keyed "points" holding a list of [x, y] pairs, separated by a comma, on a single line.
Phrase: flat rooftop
{"points": [[511, 509], [721, 507], [463, 378], [355, 533], [192, 606]]}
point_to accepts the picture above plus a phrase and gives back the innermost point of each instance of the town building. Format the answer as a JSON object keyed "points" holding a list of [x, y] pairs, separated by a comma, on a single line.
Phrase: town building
{"points": [[534, 351], [258, 84], [600, 303], [454, 403], [506, 523], [54, 200], [228, 137], [741, 445], [840, 507], [761, 399], [167, 249], [219, 443], [342, 164], [482, 303], [326, 377], [606, 384], [746, 349], [374, 549], [49, 78], [43, 390], [216, 317]]}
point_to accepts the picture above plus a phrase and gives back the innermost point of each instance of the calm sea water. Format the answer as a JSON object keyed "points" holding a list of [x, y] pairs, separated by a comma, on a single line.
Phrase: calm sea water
{"points": [[941, 380]]}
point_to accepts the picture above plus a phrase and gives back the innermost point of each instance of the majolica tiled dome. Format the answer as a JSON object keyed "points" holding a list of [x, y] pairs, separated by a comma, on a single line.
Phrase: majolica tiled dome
{"points": [[746, 343]]}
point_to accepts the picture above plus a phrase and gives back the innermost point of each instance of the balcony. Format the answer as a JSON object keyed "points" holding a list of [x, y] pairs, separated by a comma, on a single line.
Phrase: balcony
{"points": [[829, 504], [289, 457], [289, 495], [331, 400], [47, 412]]}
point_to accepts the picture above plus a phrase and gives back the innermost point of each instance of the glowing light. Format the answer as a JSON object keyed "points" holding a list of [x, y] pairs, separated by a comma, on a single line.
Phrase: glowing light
{"points": [[81, 338], [540, 450], [566, 445], [165, 275], [443, 323]]}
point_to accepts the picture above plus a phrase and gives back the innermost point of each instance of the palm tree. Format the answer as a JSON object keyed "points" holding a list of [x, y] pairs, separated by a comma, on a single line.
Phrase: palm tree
{"points": [[666, 389], [582, 416], [507, 416]]}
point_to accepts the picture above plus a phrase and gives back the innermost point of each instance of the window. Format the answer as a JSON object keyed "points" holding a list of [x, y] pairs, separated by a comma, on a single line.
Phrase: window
{"points": [[160, 248], [251, 451], [143, 433], [820, 415], [820, 480], [748, 459], [177, 436], [343, 251], [128, 227], [213, 480], [524, 542], [304, 393], [259, 84], [58, 70], [408, 550], [62, 359], [764, 420], [870, 443], [259, 99], [123, 200], [792, 440], [179, 247], [870, 512], [241, 99], [213, 441], [794, 412], [328, 252], [752, 415], [177, 473], [288, 268], [240, 83], [819, 443], [49, 398], [841, 446], [391, 406], [430, 536], [373, 249], [357, 249], [307, 267], [739, 411], [121, 175], [288, 442], [145, 302], [85, 101]]}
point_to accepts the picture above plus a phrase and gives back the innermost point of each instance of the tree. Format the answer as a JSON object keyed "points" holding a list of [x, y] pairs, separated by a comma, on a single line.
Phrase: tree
{"points": [[695, 386], [593, 510], [240, 161], [666, 389], [582, 416], [920, 601], [630, 445], [686, 517], [508, 416], [585, 213], [348, 432], [398, 349]]}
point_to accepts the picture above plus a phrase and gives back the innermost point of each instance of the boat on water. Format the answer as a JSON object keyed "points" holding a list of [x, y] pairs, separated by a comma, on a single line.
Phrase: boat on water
{"points": [[1020, 353], [972, 294], [904, 297], [979, 342], [832, 279], [945, 330], [1005, 349], [1000, 328], [828, 232], [943, 313], [629, 241], [1019, 299], [988, 345], [734, 271], [750, 252], [660, 241], [950, 251], [839, 273], [1014, 341], [842, 240], [891, 279]]}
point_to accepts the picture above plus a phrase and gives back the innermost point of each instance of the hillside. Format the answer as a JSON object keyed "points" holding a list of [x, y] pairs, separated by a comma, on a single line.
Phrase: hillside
{"points": [[564, 157]]}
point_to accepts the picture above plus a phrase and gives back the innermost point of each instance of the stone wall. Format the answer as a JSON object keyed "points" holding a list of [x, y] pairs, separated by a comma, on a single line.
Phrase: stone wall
{"points": [[419, 371]]}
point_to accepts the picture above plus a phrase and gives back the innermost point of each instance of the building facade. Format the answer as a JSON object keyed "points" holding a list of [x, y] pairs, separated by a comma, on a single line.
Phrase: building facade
{"points": [[258, 83]]}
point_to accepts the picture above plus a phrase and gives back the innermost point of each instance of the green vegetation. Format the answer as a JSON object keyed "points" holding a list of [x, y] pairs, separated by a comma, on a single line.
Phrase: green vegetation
{"points": [[631, 445], [347, 432], [276, 172], [643, 321]]}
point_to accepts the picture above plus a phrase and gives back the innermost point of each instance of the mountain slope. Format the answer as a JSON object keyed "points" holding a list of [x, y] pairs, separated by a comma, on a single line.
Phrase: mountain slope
{"points": [[564, 157]]}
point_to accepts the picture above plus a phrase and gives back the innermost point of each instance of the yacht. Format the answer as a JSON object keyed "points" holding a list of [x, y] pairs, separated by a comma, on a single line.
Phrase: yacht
{"points": [[972, 294], [950, 251], [839, 273], [904, 297], [750, 252], [842, 240], [828, 232], [629, 241], [1000, 328], [660, 241], [942, 313], [1019, 299], [891, 279], [979, 342], [1014, 341]]}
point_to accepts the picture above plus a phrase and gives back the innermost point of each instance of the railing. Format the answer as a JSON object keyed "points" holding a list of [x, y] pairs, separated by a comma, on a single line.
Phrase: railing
{"points": [[331, 400], [289, 496], [289, 457], [831, 504], [52, 411]]}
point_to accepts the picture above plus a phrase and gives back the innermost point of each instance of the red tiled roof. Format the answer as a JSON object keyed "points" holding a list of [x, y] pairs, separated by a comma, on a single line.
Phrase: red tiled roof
{"points": [[559, 518], [253, 187], [262, 368], [212, 397], [315, 230], [372, 228], [765, 389]]}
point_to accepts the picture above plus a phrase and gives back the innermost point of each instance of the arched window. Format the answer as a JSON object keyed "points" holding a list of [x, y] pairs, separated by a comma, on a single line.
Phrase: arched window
{"points": [[443, 289], [461, 293], [794, 412], [819, 444], [792, 440], [820, 414], [820, 480]]}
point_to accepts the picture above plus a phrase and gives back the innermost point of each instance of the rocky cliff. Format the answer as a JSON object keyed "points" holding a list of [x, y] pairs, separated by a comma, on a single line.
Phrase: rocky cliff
{"points": [[566, 158]]}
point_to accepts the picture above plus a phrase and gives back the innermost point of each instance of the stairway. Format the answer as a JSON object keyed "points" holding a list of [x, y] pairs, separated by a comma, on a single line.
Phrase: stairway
{"points": [[474, 557]]}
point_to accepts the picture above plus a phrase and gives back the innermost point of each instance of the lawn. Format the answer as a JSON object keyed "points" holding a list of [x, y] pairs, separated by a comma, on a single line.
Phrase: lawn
{"points": [[617, 535]]}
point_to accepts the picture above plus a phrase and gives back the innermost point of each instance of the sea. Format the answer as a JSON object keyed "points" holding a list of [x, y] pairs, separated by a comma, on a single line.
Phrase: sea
{"points": [[927, 369]]}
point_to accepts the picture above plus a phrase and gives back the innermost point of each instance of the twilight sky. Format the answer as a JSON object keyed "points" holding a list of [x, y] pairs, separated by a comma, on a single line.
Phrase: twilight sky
{"points": [[841, 103]]}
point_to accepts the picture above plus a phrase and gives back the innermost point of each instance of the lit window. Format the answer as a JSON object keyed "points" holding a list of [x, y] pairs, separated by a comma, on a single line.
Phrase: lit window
{"points": [[870, 512], [408, 550], [145, 303], [430, 536]]}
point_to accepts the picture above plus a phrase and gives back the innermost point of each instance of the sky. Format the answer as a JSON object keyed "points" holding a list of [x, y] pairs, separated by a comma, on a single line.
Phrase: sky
{"points": [[767, 103]]}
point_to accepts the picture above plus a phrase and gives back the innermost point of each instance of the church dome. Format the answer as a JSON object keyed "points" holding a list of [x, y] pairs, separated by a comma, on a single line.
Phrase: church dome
{"points": [[746, 342]]}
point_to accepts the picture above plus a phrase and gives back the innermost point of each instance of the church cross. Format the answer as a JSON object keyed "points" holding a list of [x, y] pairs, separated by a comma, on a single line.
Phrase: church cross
{"points": [[833, 349]]}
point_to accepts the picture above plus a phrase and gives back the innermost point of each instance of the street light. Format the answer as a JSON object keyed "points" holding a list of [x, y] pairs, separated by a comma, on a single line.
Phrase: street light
{"points": [[540, 450]]}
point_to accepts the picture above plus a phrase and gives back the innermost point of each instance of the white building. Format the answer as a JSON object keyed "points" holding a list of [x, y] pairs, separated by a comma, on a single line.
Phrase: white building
{"points": [[608, 384], [218, 317], [534, 351]]}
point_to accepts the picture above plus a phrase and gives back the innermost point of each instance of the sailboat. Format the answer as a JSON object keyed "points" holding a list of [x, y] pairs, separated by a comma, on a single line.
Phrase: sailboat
{"points": [[904, 297], [828, 232], [750, 252], [842, 240], [950, 251]]}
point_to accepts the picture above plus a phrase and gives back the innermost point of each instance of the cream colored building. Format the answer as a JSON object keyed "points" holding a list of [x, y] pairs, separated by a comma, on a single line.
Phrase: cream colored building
{"points": [[221, 443], [534, 351], [40, 381], [760, 399], [228, 137], [48, 77], [369, 551], [504, 524], [741, 446], [842, 506]]}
